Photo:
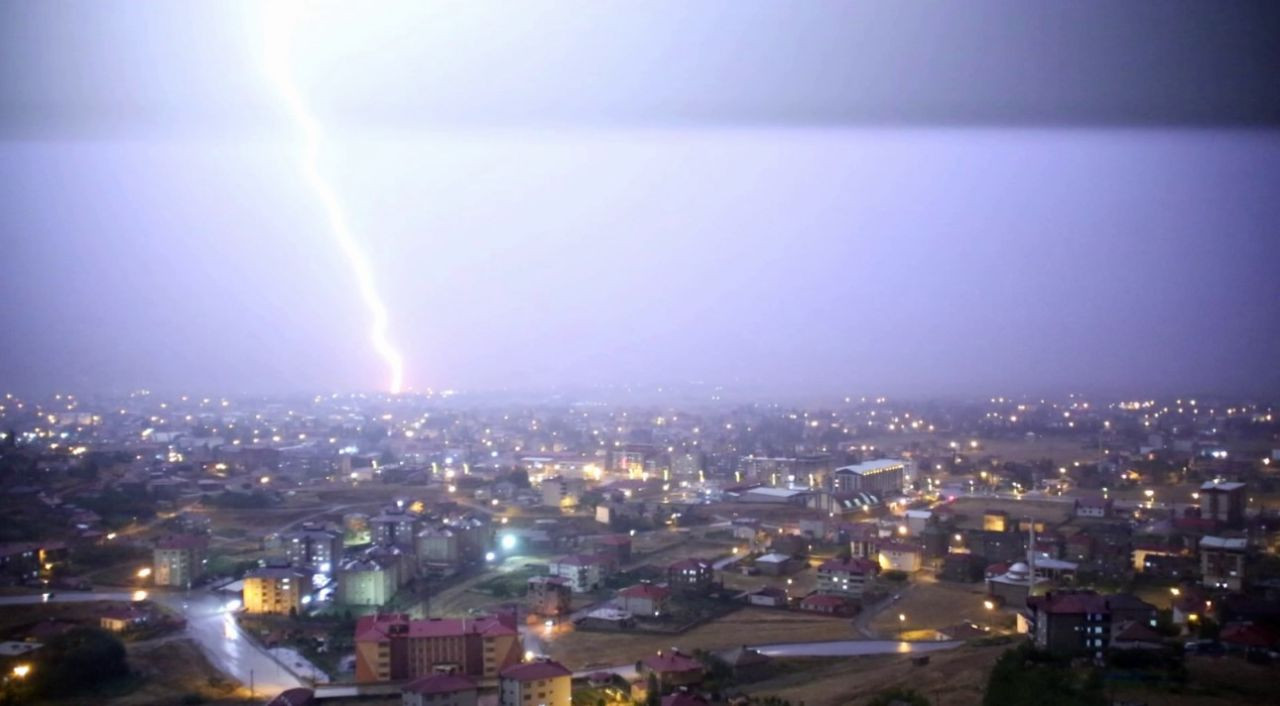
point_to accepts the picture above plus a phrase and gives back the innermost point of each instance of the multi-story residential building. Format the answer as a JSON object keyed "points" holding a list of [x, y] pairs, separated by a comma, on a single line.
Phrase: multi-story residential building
{"points": [[559, 491], [899, 556], [313, 546], [549, 595], [538, 683], [687, 465], [1222, 562], [438, 545], [584, 572], [178, 560], [672, 669], [367, 581], [694, 576], [882, 478], [1070, 623], [1083, 622], [1223, 502], [393, 646], [394, 526], [275, 589], [644, 599], [440, 690], [846, 577]]}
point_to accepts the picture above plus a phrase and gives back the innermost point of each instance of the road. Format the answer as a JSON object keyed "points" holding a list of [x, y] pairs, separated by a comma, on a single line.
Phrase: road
{"points": [[851, 648], [210, 626], [833, 648]]}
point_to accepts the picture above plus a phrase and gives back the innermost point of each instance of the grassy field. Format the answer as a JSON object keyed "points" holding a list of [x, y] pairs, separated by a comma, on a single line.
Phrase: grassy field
{"points": [[930, 606], [172, 669], [1214, 682], [952, 678], [750, 626]]}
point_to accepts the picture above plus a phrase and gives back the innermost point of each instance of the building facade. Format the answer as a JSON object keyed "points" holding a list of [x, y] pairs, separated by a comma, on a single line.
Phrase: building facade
{"points": [[538, 683], [846, 577], [393, 646], [178, 560], [883, 478], [277, 590]]}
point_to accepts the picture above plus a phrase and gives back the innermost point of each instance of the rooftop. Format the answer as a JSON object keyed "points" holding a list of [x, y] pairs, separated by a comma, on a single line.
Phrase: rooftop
{"points": [[1237, 544], [440, 684], [530, 671], [673, 661], [866, 467]]}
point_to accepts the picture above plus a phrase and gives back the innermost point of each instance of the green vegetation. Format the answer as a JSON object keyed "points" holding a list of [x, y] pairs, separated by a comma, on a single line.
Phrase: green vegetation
{"points": [[85, 558], [81, 661], [1026, 677], [118, 508], [512, 583]]}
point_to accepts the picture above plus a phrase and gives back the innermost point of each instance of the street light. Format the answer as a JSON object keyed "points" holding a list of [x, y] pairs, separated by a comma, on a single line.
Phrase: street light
{"points": [[989, 605], [21, 670], [144, 572], [1175, 590]]}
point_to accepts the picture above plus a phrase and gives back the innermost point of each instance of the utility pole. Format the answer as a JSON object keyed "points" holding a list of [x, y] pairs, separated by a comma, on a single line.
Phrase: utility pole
{"points": [[250, 684]]}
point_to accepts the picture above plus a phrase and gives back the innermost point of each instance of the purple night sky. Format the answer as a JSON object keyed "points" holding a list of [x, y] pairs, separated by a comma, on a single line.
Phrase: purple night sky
{"points": [[935, 199]]}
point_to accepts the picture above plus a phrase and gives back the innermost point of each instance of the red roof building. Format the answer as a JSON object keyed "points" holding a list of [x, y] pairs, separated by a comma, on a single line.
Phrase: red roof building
{"points": [[828, 604], [673, 668], [393, 646], [541, 682], [440, 690]]}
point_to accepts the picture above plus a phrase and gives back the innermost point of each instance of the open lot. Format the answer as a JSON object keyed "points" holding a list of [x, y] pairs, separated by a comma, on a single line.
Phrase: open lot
{"points": [[970, 510], [749, 626], [932, 605], [951, 678], [174, 670]]}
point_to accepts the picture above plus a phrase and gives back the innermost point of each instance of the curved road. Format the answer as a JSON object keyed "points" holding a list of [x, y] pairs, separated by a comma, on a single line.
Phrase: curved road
{"points": [[210, 626]]}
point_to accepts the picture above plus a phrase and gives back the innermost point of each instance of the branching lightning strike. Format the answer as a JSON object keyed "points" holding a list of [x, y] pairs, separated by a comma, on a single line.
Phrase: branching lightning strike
{"points": [[279, 41]]}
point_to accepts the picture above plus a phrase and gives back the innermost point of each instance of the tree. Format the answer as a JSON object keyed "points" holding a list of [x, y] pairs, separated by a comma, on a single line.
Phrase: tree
{"points": [[1026, 677], [654, 695], [78, 660]]}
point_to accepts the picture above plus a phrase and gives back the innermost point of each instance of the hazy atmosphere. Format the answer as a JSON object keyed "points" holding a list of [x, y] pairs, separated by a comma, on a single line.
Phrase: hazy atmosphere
{"points": [[557, 195]]}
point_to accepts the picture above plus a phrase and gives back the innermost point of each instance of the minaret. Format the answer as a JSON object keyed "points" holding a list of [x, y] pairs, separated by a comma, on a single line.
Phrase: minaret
{"points": [[1031, 558]]}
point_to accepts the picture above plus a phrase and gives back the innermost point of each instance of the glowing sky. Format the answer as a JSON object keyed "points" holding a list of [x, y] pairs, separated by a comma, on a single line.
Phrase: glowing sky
{"points": [[869, 199]]}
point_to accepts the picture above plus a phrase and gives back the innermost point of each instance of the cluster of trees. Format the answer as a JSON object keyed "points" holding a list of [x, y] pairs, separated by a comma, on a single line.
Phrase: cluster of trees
{"points": [[118, 508], [80, 661], [1025, 676]]}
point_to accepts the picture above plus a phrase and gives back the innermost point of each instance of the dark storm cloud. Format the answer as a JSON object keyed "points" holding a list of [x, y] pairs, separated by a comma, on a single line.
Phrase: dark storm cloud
{"points": [[71, 68]]}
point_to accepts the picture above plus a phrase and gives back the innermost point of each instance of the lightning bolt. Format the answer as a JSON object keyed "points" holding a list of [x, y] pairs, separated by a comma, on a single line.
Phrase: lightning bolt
{"points": [[281, 21]]}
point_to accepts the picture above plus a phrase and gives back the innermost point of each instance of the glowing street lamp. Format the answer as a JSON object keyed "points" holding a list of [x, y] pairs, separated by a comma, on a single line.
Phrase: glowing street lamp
{"points": [[144, 572], [21, 670], [989, 605]]}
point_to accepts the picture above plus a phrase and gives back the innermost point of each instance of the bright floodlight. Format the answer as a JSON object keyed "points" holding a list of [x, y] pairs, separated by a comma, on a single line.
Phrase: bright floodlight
{"points": [[490, 556], [508, 542]]}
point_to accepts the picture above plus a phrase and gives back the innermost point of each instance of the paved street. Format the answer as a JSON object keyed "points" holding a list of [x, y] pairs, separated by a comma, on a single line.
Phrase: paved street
{"points": [[210, 626]]}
